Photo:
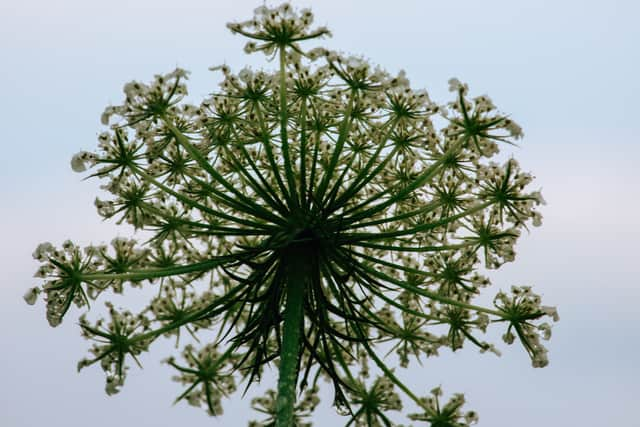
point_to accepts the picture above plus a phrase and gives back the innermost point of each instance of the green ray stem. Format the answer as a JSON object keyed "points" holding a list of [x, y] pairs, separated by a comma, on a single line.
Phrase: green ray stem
{"points": [[299, 269]]}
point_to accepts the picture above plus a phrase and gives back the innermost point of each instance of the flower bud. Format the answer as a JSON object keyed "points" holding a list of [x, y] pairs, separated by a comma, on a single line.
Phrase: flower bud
{"points": [[31, 295]]}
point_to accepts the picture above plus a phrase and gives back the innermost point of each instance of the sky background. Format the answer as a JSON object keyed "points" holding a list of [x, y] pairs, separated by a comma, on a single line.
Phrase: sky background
{"points": [[567, 71]]}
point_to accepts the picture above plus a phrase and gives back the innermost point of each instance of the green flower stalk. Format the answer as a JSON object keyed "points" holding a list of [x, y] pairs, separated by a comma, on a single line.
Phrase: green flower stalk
{"points": [[310, 218]]}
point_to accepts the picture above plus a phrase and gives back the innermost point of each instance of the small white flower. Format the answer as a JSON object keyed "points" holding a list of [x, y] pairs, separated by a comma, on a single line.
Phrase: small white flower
{"points": [[514, 129], [245, 74], [194, 399], [540, 359], [316, 53], [324, 30], [178, 73], [456, 85], [106, 115], [471, 417], [233, 27], [494, 350], [284, 8], [508, 338], [551, 311], [539, 199], [42, 251], [537, 219], [43, 271], [250, 47], [54, 319], [307, 15], [490, 347], [82, 363], [261, 10], [31, 295], [545, 328], [113, 385], [79, 162], [400, 80], [223, 67], [333, 56]]}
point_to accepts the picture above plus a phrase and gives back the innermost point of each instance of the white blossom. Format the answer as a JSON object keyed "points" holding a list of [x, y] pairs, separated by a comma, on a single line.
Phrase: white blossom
{"points": [[456, 85], [42, 251], [80, 160], [551, 311], [31, 295]]}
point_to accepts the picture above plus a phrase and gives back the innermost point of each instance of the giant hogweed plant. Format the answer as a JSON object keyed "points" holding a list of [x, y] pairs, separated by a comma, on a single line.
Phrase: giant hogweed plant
{"points": [[312, 219]]}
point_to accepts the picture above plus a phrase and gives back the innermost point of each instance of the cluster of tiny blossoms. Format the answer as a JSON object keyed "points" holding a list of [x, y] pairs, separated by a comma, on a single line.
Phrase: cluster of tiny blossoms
{"points": [[303, 410], [207, 381], [448, 415], [306, 217]]}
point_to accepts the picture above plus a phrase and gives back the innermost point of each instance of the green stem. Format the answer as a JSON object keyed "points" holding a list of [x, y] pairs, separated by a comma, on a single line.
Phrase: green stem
{"points": [[241, 202], [356, 238], [343, 133], [298, 276], [402, 190], [187, 201], [284, 117], [429, 294], [303, 151], [195, 316], [154, 273], [266, 143], [364, 177]]}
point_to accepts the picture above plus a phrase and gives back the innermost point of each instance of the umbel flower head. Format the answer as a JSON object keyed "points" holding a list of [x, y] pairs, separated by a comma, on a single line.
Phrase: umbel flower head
{"points": [[311, 218]]}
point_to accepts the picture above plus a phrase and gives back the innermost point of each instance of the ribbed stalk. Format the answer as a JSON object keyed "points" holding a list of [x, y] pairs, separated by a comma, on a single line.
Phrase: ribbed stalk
{"points": [[299, 261]]}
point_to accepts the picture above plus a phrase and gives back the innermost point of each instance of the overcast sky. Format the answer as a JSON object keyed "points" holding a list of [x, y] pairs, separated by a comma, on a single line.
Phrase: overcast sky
{"points": [[567, 71]]}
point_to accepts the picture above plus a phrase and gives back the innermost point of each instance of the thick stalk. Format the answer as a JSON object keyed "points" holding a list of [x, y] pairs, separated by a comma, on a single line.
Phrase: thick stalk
{"points": [[299, 270]]}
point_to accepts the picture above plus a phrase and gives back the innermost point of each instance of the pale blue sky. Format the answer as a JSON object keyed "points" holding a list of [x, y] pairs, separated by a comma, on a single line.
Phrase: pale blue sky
{"points": [[566, 70]]}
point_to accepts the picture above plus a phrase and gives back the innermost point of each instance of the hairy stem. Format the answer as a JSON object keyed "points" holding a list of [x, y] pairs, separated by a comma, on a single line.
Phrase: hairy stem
{"points": [[298, 276]]}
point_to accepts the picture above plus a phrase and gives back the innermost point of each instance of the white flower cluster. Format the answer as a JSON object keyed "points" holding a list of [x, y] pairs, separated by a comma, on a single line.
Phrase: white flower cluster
{"points": [[62, 286], [81, 160], [114, 342], [506, 184], [479, 120], [328, 163], [272, 28], [521, 308], [206, 377], [454, 275], [175, 301], [411, 338], [449, 414], [64, 271], [144, 102], [372, 403], [304, 408]]}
